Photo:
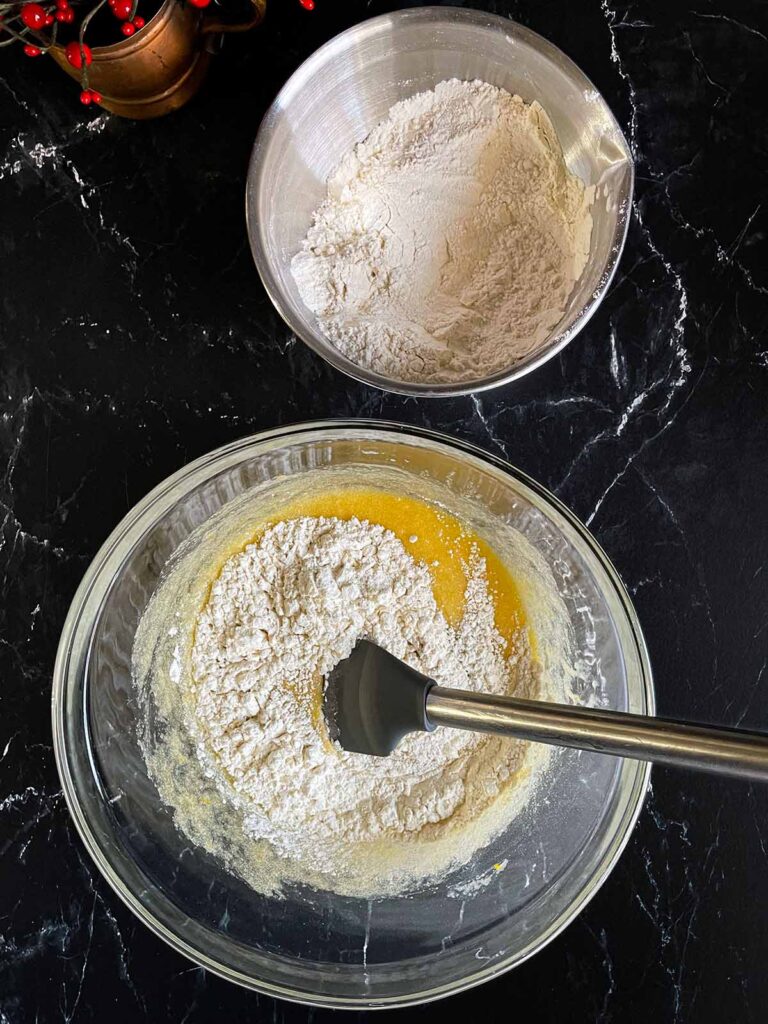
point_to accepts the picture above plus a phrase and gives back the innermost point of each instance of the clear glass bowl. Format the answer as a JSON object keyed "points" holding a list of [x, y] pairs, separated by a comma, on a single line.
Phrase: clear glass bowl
{"points": [[314, 946]]}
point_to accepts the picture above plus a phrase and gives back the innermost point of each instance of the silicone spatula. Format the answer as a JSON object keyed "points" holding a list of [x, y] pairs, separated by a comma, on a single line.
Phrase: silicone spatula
{"points": [[372, 700]]}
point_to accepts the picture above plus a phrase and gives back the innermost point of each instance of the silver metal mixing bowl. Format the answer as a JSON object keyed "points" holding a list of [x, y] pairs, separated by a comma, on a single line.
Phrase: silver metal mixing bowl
{"points": [[347, 87]]}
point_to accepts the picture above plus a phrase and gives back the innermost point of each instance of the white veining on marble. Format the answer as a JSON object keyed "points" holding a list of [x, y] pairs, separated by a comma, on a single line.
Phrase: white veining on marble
{"points": [[15, 421], [732, 21]]}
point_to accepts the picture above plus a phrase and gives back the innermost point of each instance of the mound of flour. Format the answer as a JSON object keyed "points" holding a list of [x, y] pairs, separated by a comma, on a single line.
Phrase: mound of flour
{"points": [[450, 239], [281, 614]]}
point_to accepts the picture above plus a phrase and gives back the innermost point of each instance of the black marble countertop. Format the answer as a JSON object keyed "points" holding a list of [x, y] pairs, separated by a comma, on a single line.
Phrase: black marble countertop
{"points": [[135, 335]]}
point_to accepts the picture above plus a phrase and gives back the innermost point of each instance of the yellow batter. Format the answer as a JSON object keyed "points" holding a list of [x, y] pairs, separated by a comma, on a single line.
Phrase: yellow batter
{"points": [[446, 544], [430, 535]]}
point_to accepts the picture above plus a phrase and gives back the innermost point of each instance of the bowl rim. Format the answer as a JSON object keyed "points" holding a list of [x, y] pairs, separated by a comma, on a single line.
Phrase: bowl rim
{"points": [[75, 628], [325, 349]]}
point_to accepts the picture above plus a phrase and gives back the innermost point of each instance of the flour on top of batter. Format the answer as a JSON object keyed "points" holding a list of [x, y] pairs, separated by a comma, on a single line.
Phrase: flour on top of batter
{"points": [[280, 615], [268, 593]]}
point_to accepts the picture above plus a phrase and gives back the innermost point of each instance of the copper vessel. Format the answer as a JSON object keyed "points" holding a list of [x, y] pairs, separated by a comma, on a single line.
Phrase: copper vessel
{"points": [[163, 65]]}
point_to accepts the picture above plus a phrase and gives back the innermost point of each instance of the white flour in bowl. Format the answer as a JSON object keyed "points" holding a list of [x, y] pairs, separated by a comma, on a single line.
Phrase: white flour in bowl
{"points": [[261, 598], [280, 616], [450, 239]]}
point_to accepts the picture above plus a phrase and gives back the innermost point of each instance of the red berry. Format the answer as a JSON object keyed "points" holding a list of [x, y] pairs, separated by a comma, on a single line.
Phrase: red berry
{"points": [[33, 16], [32, 51], [75, 57], [138, 23], [127, 28], [308, 5], [122, 9], [49, 20], [88, 96], [66, 17], [199, 3], [62, 4]]}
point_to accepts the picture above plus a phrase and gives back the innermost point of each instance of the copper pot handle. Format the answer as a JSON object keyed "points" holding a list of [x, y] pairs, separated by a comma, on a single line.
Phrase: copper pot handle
{"points": [[212, 26]]}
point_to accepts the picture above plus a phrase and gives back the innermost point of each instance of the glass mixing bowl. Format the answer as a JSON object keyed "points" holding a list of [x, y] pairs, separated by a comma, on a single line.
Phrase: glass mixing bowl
{"points": [[310, 945]]}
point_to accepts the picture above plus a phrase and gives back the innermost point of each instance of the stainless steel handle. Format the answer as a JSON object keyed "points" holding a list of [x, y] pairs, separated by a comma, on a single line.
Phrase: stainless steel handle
{"points": [[726, 751]]}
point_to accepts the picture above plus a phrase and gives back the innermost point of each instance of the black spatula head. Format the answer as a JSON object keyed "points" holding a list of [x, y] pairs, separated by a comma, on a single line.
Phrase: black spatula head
{"points": [[373, 699]]}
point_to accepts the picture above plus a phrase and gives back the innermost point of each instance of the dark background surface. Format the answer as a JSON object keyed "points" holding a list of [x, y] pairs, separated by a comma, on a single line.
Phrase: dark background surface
{"points": [[135, 336]]}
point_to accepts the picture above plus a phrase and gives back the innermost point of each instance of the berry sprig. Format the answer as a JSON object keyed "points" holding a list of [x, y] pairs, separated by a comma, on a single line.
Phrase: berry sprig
{"points": [[26, 23], [36, 26], [125, 11], [65, 14]]}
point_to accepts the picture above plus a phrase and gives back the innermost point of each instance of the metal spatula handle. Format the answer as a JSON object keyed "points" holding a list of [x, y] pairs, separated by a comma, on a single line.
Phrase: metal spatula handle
{"points": [[727, 751], [372, 700]]}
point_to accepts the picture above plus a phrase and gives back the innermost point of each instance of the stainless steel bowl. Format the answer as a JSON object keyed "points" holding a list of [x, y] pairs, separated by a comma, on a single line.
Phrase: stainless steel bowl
{"points": [[347, 87]]}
